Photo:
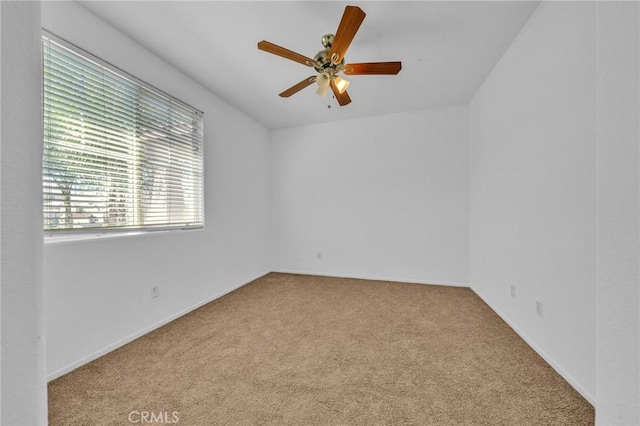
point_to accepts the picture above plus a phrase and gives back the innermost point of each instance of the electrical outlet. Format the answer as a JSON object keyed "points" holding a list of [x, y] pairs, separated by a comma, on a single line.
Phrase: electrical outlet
{"points": [[513, 291], [155, 291], [539, 308]]}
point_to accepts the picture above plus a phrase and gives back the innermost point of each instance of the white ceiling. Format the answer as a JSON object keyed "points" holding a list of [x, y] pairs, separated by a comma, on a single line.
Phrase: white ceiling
{"points": [[447, 49]]}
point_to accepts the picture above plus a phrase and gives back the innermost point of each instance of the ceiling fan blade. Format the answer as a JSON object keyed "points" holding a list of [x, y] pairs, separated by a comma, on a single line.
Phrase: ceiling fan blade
{"points": [[298, 87], [343, 99], [285, 53], [373, 68], [349, 24]]}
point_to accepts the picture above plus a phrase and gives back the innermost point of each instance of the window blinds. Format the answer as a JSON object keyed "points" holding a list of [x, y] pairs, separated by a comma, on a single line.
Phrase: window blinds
{"points": [[118, 154]]}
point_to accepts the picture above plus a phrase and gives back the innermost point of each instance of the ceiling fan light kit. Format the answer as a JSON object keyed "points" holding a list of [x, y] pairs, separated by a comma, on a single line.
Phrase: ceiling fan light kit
{"points": [[329, 62], [323, 81], [341, 84]]}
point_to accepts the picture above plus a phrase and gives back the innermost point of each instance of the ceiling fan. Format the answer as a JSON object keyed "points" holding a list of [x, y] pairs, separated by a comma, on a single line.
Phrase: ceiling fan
{"points": [[329, 62]]}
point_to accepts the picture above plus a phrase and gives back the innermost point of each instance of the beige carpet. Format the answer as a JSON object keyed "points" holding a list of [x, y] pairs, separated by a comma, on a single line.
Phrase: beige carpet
{"points": [[301, 350]]}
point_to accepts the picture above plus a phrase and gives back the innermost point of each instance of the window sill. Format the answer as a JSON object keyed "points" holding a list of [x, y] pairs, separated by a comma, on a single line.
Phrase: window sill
{"points": [[52, 239]]}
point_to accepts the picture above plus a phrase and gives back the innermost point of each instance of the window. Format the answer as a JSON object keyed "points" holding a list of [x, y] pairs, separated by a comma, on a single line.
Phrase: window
{"points": [[118, 153]]}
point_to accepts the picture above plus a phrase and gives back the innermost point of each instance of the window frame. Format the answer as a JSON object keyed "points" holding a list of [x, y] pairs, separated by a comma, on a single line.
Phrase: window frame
{"points": [[66, 234]]}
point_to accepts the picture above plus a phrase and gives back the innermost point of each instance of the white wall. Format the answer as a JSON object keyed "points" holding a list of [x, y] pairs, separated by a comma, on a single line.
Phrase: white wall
{"points": [[532, 191], [23, 389], [98, 291], [382, 197], [618, 190]]}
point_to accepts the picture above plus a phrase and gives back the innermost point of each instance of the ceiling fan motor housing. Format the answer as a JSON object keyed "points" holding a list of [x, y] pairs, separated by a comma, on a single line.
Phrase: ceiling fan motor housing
{"points": [[325, 64]]}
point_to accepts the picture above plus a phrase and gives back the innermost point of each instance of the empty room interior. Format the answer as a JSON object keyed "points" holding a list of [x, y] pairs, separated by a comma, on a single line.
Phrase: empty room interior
{"points": [[383, 212]]}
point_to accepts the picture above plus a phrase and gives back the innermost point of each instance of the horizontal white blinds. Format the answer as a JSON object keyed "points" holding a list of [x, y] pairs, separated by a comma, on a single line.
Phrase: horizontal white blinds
{"points": [[117, 154]]}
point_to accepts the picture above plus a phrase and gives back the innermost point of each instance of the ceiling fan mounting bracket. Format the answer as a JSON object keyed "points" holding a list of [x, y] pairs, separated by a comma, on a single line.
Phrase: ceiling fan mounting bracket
{"points": [[327, 40]]}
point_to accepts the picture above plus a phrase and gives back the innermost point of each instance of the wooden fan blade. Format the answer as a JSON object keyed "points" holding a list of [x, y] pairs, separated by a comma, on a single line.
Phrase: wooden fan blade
{"points": [[349, 24], [373, 68], [285, 53], [343, 99], [298, 87]]}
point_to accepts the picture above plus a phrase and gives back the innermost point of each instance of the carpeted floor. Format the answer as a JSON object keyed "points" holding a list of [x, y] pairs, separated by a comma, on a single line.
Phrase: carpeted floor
{"points": [[302, 350]]}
